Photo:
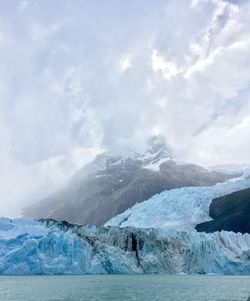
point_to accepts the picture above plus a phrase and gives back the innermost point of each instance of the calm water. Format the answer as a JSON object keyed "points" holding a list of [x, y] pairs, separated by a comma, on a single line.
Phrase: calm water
{"points": [[121, 288]]}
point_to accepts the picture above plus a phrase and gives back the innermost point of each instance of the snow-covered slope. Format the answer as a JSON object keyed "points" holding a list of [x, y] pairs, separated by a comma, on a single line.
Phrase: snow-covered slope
{"points": [[178, 209], [50, 247]]}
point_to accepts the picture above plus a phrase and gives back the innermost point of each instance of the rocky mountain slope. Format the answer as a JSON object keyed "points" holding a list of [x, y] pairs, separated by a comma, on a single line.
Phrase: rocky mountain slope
{"points": [[111, 184], [230, 213], [50, 247]]}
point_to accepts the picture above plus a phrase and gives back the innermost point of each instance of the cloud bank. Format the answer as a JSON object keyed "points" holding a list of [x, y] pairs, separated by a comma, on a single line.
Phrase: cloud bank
{"points": [[77, 77]]}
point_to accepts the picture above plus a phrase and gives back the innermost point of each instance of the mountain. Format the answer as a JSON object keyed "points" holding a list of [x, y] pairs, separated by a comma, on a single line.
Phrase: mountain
{"points": [[230, 213], [48, 247], [111, 184], [151, 205]]}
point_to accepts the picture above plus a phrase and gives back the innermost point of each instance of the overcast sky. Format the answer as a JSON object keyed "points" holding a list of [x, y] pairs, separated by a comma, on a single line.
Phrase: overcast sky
{"points": [[80, 76]]}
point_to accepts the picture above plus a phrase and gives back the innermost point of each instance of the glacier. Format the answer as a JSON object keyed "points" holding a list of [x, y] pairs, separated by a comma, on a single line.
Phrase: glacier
{"points": [[179, 209], [155, 236], [49, 247]]}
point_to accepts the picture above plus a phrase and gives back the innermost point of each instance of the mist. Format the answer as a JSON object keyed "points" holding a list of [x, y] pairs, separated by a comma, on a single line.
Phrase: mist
{"points": [[80, 77]]}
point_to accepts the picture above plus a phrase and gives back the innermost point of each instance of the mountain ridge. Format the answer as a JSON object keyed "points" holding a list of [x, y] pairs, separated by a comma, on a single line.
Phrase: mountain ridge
{"points": [[111, 184]]}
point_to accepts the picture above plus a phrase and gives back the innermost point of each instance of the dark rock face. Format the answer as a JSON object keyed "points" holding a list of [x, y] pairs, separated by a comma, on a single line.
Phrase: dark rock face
{"points": [[230, 213], [110, 185]]}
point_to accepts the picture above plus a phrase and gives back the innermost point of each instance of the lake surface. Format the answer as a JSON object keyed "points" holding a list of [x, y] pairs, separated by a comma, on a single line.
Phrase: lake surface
{"points": [[124, 288]]}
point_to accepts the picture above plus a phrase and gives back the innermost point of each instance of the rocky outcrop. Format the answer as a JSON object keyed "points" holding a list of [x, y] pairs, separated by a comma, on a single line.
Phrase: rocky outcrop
{"points": [[230, 213]]}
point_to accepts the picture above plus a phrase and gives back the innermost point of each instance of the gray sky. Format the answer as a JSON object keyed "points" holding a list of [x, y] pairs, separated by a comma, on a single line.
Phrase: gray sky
{"points": [[80, 76]]}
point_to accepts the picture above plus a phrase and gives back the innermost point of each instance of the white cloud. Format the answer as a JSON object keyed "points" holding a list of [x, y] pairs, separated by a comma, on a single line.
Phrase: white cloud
{"points": [[168, 68], [79, 76], [125, 63], [22, 184]]}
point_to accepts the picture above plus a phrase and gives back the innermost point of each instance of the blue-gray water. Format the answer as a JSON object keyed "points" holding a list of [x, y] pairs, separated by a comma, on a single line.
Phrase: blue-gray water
{"points": [[124, 288]]}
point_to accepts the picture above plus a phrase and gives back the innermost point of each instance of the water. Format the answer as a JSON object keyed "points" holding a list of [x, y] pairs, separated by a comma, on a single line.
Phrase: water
{"points": [[124, 288]]}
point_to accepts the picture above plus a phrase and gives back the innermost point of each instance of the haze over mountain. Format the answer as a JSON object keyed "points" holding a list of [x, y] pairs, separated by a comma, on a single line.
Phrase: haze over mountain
{"points": [[111, 184]]}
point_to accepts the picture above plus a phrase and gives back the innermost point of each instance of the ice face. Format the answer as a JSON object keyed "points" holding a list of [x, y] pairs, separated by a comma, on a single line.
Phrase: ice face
{"points": [[29, 247], [10, 228], [61, 248]]}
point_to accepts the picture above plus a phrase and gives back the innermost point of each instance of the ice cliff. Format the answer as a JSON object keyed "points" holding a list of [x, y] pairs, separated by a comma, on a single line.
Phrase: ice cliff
{"points": [[50, 247]]}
